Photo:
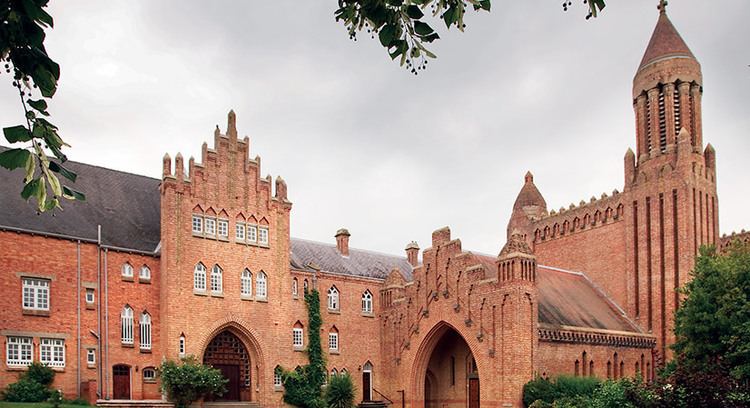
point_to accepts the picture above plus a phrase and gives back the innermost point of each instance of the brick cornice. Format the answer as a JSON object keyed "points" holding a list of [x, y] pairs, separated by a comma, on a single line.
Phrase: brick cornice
{"points": [[565, 334]]}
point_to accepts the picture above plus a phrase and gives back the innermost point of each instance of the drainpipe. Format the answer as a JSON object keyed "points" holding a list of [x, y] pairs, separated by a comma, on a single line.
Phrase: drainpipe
{"points": [[78, 320], [106, 328], [99, 351]]}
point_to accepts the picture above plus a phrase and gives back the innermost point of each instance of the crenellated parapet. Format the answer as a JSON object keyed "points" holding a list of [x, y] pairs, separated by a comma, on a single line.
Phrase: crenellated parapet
{"points": [[578, 218], [741, 238]]}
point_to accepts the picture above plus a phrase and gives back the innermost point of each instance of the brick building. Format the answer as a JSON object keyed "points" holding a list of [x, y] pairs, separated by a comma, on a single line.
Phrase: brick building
{"points": [[201, 262]]}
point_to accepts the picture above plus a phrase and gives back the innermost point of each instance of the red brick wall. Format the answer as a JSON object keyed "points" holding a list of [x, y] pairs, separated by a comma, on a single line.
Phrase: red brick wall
{"points": [[560, 358]]}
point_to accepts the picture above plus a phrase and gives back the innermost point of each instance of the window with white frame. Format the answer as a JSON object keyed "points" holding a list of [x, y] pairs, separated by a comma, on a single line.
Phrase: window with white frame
{"points": [[246, 283], [181, 348], [333, 341], [127, 270], [19, 351], [145, 331], [261, 289], [298, 337], [263, 235], [216, 279], [90, 296], [149, 374], [367, 302], [35, 294], [197, 224], [126, 324], [145, 273], [295, 289], [252, 233], [210, 226], [333, 298], [52, 352], [334, 372], [199, 277], [223, 228], [239, 232], [344, 372], [277, 377], [91, 357]]}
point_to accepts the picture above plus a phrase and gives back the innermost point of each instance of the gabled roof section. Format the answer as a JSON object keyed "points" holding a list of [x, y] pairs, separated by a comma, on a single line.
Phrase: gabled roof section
{"points": [[125, 205], [571, 299], [359, 262], [665, 42]]}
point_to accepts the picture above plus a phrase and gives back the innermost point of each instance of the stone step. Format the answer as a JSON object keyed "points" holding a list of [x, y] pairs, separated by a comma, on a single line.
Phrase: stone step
{"points": [[134, 404]]}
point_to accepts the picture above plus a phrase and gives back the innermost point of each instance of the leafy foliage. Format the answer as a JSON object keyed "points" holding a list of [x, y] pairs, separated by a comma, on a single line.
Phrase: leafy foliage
{"points": [[403, 26], [340, 392], [22, 24], [32, 386], [562, 387], [189, 381], [302, 387]]}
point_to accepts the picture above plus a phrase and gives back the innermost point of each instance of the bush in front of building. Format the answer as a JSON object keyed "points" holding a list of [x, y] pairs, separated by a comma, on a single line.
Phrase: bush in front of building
{"points": [[562, 387], [340, 392], [188, 381], [32, 386]]}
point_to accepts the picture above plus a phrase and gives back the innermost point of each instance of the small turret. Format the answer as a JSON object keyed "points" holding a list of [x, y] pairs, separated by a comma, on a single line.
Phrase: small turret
{"points": [[232, 125], [516, 261], [629, 168], [412, 253], [280, 188], [166, 170], [529, 205]]}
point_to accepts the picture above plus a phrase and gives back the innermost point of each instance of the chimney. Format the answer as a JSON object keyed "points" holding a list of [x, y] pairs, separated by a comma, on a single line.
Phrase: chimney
{"points": [[342, 241], [412, 253]]}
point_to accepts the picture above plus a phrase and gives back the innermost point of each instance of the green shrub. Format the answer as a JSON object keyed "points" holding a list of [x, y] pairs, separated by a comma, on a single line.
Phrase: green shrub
{"points": [[40, 373], [340, 392], [55, 398], [77, 401], [539, 389], [563, 390], [568, 386], [189, 381], [26, 390]]}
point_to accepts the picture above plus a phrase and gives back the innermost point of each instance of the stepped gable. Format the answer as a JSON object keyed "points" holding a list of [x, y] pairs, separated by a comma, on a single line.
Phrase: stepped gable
{"points": [[126, 205], [359, 262], [665, 43]]}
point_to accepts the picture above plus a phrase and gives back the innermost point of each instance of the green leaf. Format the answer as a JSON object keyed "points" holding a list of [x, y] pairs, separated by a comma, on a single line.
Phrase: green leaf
{"points": [[73, 194], [45, 80], [430, 38], [40, 105], [414, 12], [485, 4], [57, 168], [14, 158], [387, 35], [17, 134], [423, 29], [31, 189], [30, 168]]}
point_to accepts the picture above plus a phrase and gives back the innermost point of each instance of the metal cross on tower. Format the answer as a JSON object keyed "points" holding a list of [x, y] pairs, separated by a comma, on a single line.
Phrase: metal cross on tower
{"points": [[662, 6]]}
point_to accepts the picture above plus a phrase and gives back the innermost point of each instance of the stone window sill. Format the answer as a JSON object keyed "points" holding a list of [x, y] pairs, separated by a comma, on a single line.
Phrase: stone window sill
{"points": [[246, 297], [145, 351], [262, 300], [277, 388], [144, 281], [90, 306], [128, 279], [217, 295], [334, 311], [32, 312], [334, 352], [299, 349], [126, 345], [199, 293]]}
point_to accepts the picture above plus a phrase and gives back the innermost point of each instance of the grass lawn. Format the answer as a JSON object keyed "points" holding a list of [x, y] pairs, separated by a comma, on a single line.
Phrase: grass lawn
{"points": [[4, 404]]}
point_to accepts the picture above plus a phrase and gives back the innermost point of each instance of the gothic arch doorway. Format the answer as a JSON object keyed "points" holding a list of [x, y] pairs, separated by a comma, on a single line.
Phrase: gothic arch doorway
{"points": [[447, 372], [227, 353]]}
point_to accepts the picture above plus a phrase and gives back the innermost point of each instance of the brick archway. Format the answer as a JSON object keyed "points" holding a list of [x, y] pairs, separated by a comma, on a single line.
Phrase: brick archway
{"points": [[424, 354], [227, 353]]}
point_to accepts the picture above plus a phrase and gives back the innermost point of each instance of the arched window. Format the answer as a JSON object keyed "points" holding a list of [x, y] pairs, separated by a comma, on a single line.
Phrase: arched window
{"points": [[344, 372], [609, 369], [145, 273], [591, 368], [298, 336], [277, 383], [145, 331], [261, 290], [246, 283], [181, 347], [305, 286], [127, 270], [334, 372], [333, 298], [578, 368], [333, 340], [295, 289], [126, 324], [149, 374], [216, 285], [367, 302], [199, 277]]}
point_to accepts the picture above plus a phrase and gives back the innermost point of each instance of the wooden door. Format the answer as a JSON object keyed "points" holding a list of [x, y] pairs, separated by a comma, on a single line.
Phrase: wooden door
{"points": [[121, 382], [231, 373], [473, 392], [366, 386]]}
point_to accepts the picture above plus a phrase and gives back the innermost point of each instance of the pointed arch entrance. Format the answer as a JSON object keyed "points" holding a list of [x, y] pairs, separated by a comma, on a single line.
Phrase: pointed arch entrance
{"points": [[446, 373], [227, 353]]}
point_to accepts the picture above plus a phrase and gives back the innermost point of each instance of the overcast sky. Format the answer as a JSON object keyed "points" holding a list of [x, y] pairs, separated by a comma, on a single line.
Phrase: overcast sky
{"points": [[365, 145]]}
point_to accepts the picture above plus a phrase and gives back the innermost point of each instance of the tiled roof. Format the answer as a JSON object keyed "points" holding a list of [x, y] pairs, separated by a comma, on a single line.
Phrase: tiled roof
{"points": [[359, 262], [665, 42], [571, 299], [125, 205]]}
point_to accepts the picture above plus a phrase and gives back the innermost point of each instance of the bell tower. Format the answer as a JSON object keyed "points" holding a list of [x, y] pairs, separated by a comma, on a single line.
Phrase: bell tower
{"points": [[670, 182]]}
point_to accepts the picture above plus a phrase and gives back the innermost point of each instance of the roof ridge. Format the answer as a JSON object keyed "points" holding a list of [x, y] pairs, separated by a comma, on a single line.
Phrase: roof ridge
{"points": [[97, 166], [370, 251]]}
